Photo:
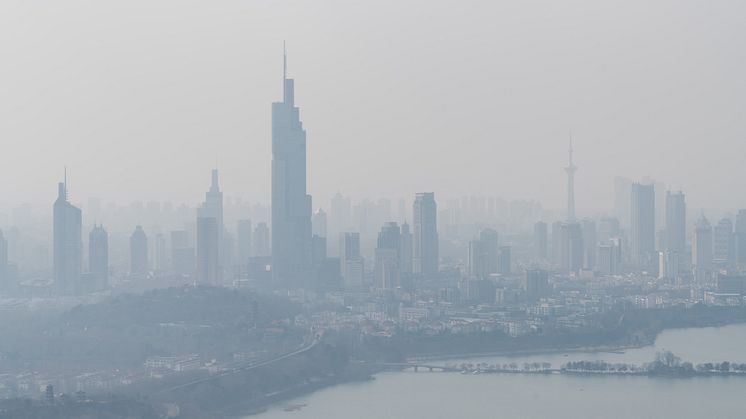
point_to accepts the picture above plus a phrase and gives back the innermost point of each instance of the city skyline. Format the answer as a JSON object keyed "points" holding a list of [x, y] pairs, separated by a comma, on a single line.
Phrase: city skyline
{"points": [[114, 124]]}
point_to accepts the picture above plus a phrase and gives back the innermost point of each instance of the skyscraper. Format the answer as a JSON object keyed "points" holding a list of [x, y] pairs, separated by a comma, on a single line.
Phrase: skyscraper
{"points": [[675, 236], [208, 269], [702, 249], [350, 261], [213, 208], [138, 252], [68, 243], [425, 255], [642, 223], [387, 253], [722, 245], [291, 205], [477, 263], [98, 256]]}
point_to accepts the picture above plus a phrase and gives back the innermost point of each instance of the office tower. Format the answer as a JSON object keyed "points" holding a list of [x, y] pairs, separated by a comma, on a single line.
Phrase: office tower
{"points": [[622, 203], [208, 268], [182, 254], [608, 228], [571, 251], [590, 243], [642, 223], [536, 284], [98, 256], [319, 223], [159, 253], [291, 205], [739, 239], [405, 250], [702, 249], [668, 264], [68, 243], [213, 208], [477, 260], [675, 235], [138, 252], [540, 240], [387, 252], [243, 233], [425, 239], [504, 261], [607, 262], [570, 170], [261, 240], [723, 241], [489, 239], [350, 262]]}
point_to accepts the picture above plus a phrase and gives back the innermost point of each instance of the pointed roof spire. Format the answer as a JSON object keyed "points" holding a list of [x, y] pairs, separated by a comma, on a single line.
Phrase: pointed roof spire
{"points": [[214, 183], [284, 63]]}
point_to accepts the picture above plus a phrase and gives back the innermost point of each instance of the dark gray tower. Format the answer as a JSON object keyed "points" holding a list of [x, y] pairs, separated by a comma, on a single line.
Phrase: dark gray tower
{"points": [[291, 205]]}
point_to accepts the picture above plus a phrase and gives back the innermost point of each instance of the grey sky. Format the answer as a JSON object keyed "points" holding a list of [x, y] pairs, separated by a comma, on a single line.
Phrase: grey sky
{"points": [[141, 98]]}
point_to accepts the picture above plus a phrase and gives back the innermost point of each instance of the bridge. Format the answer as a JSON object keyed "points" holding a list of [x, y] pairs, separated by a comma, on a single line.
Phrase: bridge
{"points": [[417, 366], [246, 366]]}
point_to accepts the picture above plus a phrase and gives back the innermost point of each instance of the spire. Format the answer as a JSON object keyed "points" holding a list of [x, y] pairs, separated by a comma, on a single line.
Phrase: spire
{"points": [[62, 188], [214, 183], [284, 68]]}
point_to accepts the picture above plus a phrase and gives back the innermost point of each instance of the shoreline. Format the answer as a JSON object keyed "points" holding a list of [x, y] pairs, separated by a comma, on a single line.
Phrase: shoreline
{"points": [[531, 352], [296, 393]]}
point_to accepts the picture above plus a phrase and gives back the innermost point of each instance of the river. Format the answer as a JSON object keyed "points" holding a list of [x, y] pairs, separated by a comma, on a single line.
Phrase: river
{"points": [[451, 395]]}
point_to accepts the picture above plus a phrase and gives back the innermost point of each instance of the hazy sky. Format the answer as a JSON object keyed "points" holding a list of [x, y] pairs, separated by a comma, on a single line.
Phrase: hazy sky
{"points": [[140, 99]]}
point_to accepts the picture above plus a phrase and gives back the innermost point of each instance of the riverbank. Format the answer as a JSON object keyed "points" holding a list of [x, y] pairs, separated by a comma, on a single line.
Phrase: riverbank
{"points": [[531, 352]]}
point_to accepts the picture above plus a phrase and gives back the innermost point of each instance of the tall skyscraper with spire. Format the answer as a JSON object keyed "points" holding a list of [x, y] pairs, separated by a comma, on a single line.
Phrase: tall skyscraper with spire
{"points": [[211, 254], [68, 243], [291, 205]]}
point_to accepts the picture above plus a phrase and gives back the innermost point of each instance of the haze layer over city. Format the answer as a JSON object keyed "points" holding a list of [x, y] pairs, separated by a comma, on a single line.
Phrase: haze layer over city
{"points": [[339, 209]]}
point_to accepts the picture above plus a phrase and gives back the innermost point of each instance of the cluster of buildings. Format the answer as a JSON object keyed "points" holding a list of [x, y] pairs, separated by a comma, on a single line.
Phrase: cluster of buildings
{"points": [[473, 247]]}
